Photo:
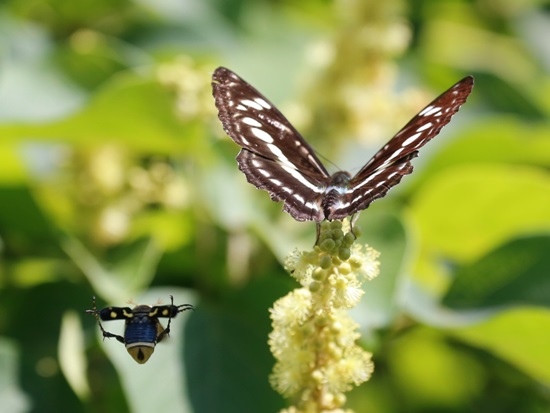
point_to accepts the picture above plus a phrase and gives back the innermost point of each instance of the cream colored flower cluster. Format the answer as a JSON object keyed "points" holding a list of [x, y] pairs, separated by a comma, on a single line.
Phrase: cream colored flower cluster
{"points": [[313, 337]]}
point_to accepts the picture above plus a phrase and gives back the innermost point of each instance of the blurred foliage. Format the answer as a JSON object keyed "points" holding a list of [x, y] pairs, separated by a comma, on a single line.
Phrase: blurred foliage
{"points": [[116, 180]]}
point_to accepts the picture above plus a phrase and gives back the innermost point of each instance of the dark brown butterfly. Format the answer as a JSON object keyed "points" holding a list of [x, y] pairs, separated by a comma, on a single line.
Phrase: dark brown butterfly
{"points": [[274, 156]]}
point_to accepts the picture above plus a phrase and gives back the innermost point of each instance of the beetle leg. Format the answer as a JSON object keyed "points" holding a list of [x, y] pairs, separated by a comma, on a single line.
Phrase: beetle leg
{"points": [[105, 333], [166, 331], [179, 308]]}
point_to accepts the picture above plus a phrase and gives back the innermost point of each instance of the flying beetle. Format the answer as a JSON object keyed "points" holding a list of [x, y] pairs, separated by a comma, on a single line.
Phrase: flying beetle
{"points": [[142, 330]]}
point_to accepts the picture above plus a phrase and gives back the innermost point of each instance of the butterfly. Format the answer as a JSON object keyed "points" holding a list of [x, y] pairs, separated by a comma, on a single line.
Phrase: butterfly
{"points": [[276, 158]]}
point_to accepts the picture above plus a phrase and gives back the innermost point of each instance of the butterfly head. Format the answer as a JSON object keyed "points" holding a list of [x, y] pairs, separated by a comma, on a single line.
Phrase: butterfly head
{"points": [[339, 182]]}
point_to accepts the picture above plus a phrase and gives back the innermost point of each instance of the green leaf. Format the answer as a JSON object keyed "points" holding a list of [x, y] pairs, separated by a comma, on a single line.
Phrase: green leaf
{"points": [[12, 398], [508, 97], [34, 320], [131, 272], [386, 233], [467, 210], [72, 360], [129, 110], [500, 139], [519, 336], [429, 373], [516, 273], [23, 220], [227, 353]]}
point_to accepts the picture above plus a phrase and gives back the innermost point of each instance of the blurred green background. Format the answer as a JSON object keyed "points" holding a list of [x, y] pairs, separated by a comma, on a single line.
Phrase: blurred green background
{"points": [[116, 180]]}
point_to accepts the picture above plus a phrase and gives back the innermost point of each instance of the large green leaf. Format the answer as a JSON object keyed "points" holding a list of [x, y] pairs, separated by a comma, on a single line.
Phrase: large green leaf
{"points": [[33, 323], [227, 356], [129, 110], [465, 211], [129, 274], [516, 273], [12, 398], [499, 139], [519, 336]]}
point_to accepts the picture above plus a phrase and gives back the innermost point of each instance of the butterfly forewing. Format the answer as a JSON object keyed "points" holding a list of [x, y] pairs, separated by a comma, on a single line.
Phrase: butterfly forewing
{"points": [[253, 122], [422, 128], [393, 161], [274, 157]]}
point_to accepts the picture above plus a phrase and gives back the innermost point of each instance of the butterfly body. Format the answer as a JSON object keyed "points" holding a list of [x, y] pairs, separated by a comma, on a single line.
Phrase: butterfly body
{"points": [[276, 158], [334, 197]]}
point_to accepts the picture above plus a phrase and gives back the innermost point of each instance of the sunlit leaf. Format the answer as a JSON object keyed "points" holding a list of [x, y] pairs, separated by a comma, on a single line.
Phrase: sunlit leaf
{"points": [[467, 210], [518, 336], [122, 278], [129, 110]]}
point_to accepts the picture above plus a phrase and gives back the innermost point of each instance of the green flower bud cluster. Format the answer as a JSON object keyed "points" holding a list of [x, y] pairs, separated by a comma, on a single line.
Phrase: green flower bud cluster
{"points": [[332, 240]]}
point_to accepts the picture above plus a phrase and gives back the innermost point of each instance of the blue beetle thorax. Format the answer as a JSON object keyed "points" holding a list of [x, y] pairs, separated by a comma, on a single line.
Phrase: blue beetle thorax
{"points": [[141, 328]]}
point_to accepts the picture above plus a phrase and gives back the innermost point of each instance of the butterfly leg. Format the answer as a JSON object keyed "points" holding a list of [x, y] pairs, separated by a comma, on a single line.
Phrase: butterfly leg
{"points": [[352, 221], [318, 233]]}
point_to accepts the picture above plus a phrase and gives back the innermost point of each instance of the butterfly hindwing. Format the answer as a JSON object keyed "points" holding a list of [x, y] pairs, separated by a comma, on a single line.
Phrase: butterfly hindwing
{"points": [[302, 194], [370, 188]]}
